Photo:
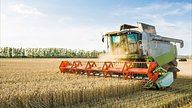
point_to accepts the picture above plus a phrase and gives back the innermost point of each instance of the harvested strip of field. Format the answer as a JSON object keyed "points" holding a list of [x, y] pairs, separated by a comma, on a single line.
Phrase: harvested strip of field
{"points": [[36, 83]]}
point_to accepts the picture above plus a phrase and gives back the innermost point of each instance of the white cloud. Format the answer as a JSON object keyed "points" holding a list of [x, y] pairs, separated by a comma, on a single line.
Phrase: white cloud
{"points": [[159, 15], [188, 7], [2, 15], [65, 19], [69, 32], [26, 10], [55, 31], [163, 9]]}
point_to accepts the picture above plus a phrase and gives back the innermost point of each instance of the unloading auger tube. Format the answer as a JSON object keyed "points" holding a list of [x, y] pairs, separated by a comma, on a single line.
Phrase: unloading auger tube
{"points": [[139, 53]]}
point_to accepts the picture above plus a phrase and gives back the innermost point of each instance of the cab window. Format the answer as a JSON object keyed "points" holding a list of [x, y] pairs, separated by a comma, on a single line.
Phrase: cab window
{"points": [[116, 39], [132, 38]]}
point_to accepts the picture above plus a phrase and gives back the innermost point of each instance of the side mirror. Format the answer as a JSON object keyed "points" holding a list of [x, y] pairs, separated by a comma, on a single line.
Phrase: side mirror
{"points": [[103, 38]]}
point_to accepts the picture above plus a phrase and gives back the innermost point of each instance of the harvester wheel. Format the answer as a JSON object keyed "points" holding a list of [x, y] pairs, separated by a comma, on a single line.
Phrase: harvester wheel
{"points": [[174, 70], [174, 75]]}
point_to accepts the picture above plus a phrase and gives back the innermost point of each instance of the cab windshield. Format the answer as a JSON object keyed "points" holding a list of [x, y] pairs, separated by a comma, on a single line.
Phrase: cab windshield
{"points": [[124, 44]]}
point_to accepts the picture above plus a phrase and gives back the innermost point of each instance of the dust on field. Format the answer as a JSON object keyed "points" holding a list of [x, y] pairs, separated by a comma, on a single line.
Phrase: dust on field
{"points": [[185, 67]]}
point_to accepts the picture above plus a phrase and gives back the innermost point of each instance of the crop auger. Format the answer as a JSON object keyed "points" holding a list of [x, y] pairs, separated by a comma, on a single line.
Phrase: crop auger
{"points": [[139, 53]]}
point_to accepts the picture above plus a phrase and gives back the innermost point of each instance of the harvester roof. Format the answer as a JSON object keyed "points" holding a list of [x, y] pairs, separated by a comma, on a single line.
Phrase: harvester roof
{"points": [[126, 26], [115, 33]]}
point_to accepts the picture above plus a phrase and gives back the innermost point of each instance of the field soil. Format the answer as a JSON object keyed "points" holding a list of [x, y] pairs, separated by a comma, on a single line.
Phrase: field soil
{"points": [[37, 83]]}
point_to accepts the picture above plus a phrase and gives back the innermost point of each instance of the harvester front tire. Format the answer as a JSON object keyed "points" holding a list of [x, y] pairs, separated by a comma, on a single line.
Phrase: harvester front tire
{"points": [[174, 72], [175, 75]]}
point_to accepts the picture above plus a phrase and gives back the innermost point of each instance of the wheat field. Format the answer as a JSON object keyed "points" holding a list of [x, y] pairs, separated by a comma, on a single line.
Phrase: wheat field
{"points": [[37, 83]]}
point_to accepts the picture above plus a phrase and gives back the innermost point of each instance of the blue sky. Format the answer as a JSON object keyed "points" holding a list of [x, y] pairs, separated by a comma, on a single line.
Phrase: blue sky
{"points": [[79, 24]]}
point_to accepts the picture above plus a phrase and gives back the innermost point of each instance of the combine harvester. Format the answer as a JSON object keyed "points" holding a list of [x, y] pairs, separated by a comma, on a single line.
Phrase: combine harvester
{"points": [[142, 54]]}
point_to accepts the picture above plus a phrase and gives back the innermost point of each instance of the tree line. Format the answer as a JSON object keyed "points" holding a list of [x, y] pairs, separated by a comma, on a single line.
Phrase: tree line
{"points": [[8, 52]]}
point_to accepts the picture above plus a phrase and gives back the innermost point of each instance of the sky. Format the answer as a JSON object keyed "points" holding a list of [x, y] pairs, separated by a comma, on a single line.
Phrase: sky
{"points": [[80, 24]]}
